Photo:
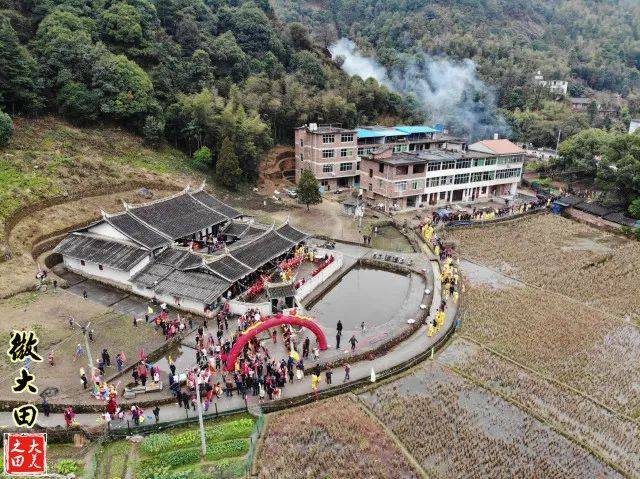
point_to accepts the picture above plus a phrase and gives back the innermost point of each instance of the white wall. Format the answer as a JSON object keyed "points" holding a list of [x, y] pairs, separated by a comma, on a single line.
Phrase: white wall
{"points": [[105, 229], [106, 274], [312, 283], [240, 307]]}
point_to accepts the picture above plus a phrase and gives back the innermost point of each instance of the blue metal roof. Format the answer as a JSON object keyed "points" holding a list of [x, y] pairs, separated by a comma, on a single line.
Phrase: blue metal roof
{"points": [[366, 133], [416, 129]]}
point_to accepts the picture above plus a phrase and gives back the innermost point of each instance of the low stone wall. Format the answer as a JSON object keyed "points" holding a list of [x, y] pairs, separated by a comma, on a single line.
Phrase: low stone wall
{"points": [[310, 286], [241, 307], [383, 348]]}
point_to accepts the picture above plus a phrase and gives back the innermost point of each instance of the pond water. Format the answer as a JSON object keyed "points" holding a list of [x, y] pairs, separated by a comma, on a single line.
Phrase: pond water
{"points": [[390, 239], [364, 294]]}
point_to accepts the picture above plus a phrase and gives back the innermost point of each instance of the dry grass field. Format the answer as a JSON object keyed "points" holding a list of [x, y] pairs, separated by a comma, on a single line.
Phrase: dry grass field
{"points": [[596, 268], [614, 438], [333, 438], [455, 428], [47, 314], [570, 342]]}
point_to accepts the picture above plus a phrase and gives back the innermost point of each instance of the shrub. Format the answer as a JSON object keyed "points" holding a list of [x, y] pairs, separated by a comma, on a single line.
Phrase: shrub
{"points": [[67, 466], [626, 230], [6, 128], [202, 157]]}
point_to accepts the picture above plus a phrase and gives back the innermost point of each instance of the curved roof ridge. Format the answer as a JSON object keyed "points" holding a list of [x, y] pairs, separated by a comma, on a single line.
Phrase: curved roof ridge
{"points": [[184, 191], [202, 190]]}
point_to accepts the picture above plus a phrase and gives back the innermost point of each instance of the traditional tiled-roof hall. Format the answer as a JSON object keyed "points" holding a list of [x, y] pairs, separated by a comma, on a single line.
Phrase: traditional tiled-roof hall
{"points": [[187, 249]]}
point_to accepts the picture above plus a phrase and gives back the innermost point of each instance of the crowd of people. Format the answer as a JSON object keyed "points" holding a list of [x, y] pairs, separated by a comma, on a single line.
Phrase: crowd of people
{"points": [[489, 213]]}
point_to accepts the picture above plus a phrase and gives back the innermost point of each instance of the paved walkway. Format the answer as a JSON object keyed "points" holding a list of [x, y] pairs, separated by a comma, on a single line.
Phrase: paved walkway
{"points": [[411, 347]]}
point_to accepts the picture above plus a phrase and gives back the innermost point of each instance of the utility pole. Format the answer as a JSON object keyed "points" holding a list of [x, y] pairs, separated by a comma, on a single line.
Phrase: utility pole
{"points": [[203, 439], [558, 142], [86, 345]]}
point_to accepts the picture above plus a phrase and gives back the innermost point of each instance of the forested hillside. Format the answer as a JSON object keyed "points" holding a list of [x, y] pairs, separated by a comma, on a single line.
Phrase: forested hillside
{"points": [[193, 72], [596, 43]]}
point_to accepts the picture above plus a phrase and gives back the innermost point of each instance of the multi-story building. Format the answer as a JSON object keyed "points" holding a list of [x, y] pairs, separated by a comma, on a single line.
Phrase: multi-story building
{"points": [[398, 180], [330, 152], [401, 138]]}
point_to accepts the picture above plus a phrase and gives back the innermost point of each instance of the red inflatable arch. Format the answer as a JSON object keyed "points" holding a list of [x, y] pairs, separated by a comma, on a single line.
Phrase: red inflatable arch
{"points": [[272, 322]]}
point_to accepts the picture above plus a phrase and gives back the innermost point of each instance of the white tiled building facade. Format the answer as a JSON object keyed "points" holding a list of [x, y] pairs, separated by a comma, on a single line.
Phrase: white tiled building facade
{"points": [[408, 166]]}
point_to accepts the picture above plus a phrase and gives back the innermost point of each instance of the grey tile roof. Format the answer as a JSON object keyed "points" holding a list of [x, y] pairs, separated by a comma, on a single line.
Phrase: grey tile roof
{"points": [[179, 216], [292, 233], [236, 229], [129, 226], [594, 208], [152, 274], [194, 285], [115, 254], [620, 218], [280, 291], [179, 259], [262, 250], [228, 267], [216, 205]]}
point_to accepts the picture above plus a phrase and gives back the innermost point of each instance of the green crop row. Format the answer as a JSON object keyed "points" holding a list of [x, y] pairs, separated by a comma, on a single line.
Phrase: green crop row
{"points": [[162, 442]]}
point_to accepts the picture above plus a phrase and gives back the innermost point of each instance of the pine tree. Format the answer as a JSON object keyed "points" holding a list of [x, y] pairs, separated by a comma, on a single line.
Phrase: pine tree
{"points": [[308, 189], [6, 128], [228, 171]]}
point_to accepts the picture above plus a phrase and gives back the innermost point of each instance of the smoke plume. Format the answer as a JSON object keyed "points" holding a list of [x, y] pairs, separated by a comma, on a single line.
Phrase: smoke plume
{"points": [[449, 92]]}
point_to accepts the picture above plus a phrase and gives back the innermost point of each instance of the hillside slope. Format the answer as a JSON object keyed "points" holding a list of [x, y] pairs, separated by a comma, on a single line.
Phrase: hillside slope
{"points": [[596, 44]]}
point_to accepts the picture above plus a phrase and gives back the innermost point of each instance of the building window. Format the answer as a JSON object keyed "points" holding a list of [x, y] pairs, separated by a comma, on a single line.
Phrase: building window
{"points": [[434, 166], [443, 195], [347, 137], [82, 263], [401, 186], [478, 162], [503, 160], [446, 180], [476, 177], [448, 165], [357, 165], [370, 173], [328, 138], [301, 142], [370, 186], [434, 181], [400, 148], [344, 152], [484, 190], [328, 153], [402, 170], [418, 168], [488, 175], [461, 178], [327, 168], [346, 166], [100, 267], [463, 164], [490, 161], [301, 157], [417, 184], [381, 168]]}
